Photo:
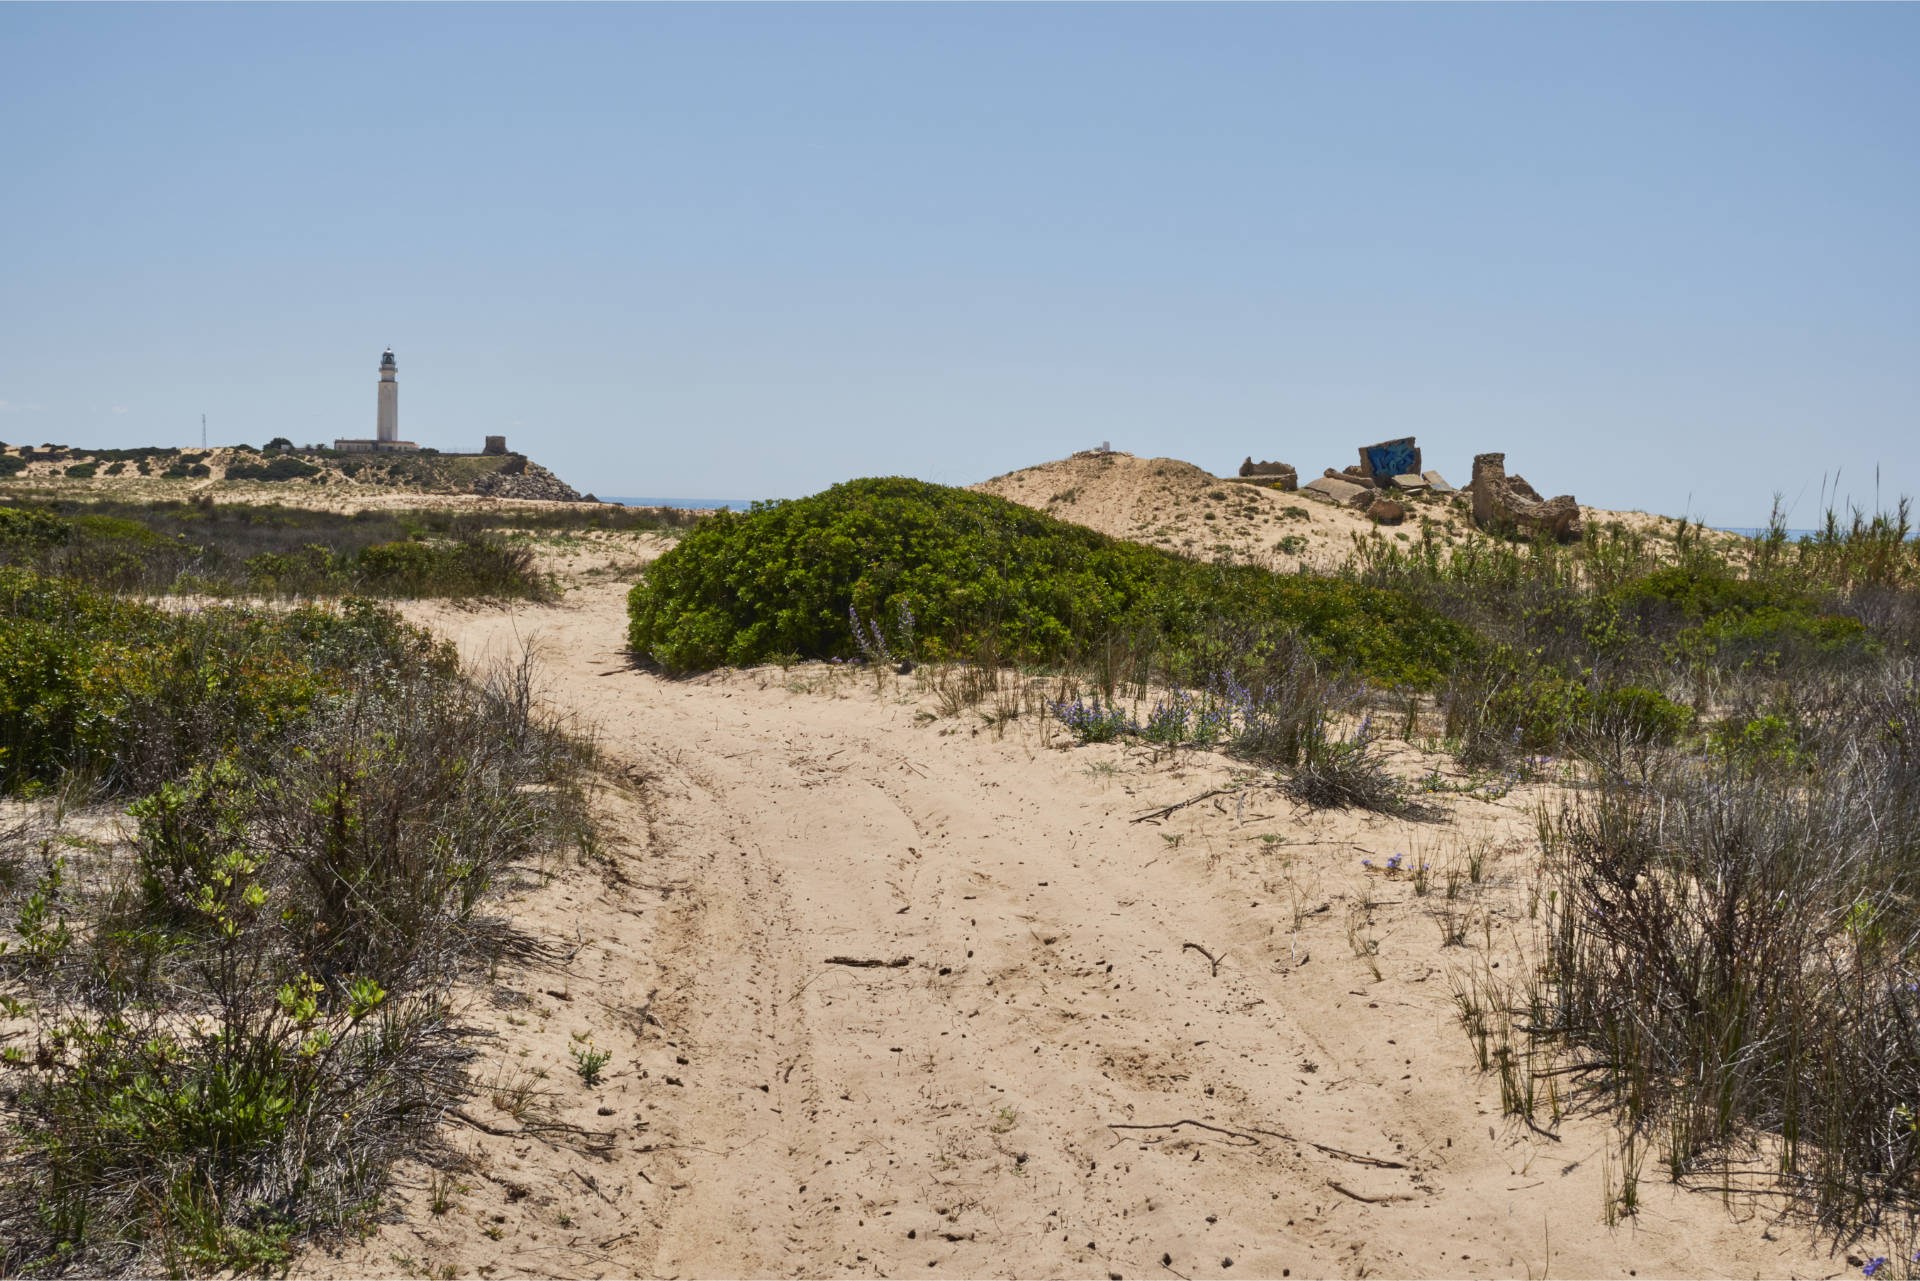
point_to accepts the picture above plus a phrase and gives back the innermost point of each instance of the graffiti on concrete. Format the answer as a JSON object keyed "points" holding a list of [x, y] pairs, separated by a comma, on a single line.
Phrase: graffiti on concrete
{"points": [[1392, 458]]}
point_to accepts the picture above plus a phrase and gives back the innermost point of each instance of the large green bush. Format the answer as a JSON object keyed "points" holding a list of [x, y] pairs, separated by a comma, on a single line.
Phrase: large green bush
{"points": [[934, 572]]}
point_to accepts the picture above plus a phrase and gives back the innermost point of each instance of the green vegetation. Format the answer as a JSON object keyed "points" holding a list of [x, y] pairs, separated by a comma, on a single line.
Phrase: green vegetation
{"points": [[1730, 930], [221, 1032], [932, 572], [285, 467], [205, 548], [1730, 904], [126, 695], [1616, 636], [224, 1032]]}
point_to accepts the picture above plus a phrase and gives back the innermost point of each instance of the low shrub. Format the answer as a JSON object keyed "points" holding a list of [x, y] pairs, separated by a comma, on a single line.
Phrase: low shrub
{"points": [[975, 570], [1638, 713], [25, 533], [1345, 772], [1730, 957], [133, 694], [474, 566], [284, 467]]}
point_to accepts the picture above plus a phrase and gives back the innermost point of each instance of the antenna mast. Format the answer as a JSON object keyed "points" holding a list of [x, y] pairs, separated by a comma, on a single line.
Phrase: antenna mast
{"points": [[203, 431]]}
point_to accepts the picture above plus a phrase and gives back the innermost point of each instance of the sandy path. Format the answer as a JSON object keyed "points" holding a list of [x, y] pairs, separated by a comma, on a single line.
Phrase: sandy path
{"points": [[771, 1113]]}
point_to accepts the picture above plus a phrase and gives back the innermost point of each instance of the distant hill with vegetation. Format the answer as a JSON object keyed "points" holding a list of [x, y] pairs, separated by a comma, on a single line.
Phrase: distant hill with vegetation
{"points": [[158, 470]]}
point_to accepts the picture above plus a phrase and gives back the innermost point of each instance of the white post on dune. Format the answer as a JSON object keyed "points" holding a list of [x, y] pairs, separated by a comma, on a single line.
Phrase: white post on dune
{"points": [[388, 427]]}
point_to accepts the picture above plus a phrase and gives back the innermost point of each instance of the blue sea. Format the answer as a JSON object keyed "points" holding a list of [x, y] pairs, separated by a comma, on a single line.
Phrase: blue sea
{"points": [[693, 504], [1793, 535]]}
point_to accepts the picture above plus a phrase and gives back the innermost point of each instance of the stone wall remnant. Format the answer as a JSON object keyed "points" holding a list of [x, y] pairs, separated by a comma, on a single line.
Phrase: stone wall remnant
{"points": [[1501, 501], [1283, 473]]}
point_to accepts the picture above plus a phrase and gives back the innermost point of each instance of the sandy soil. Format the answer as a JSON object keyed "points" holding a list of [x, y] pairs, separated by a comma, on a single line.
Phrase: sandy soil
{"points": [[1046, 1077]]}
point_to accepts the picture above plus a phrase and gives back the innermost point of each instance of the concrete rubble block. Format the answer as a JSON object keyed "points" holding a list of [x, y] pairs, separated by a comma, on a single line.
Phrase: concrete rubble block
{"points": [[1363, 500], [1352, 476], [1501, 501], [1390, 458], [1386, 511], [1436, 482], [1411, 484], [1328, 489]]}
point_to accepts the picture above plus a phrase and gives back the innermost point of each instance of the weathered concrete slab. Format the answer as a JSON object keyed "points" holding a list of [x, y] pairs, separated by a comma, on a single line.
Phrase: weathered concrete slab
{"points": [[1411, 484], [1329, 490], [1437, 482]]}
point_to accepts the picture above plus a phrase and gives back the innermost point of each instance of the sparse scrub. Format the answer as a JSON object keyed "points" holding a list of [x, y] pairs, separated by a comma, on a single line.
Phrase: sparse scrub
{"points": [[1740, 954], [232, 1027], [208, 548], [1344, 771], [1730, 943], [1730, 954]]}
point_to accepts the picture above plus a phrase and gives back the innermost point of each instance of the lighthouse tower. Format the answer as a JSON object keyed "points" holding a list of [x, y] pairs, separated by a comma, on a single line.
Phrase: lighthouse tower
{"points": [[386, 436], [388, 430]]}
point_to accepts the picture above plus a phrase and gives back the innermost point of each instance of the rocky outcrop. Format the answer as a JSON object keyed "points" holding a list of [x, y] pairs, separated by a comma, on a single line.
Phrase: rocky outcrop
{"points": [[1503, 502], [519, 478], [1385, 511]]}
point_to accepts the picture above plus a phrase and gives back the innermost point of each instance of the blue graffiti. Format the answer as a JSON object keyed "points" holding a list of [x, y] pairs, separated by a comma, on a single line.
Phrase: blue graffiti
{"points": [[1393, 457]]}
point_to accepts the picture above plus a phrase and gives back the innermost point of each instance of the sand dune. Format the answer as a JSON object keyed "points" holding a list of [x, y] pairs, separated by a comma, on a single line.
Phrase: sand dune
{"points": [[1176, 506]]}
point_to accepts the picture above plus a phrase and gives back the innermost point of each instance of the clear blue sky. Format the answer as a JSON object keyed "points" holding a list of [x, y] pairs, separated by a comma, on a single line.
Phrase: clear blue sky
{"points": [[1663, 257]]}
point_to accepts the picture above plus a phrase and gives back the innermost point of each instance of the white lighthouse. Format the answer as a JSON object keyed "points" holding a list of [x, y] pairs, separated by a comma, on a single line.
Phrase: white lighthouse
{"points": [[387, 432]]}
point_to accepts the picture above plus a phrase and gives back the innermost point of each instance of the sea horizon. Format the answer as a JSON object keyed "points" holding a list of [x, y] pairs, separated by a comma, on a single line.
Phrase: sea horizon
{"points": [[689, 504]]}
